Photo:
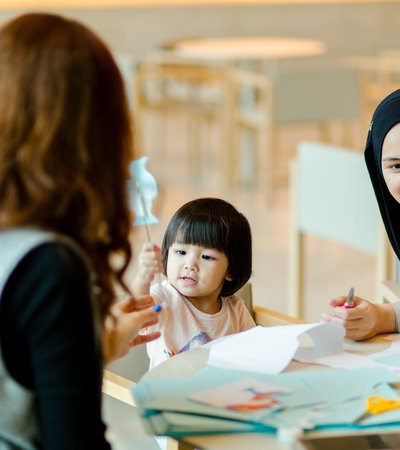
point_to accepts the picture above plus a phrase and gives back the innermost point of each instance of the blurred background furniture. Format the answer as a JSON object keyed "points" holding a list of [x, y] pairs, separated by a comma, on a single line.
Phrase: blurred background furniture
{"points": [[332, 197], [210, 100], [321, 96], [165, 88], [253, 118], [379, 75], [308, 91]]}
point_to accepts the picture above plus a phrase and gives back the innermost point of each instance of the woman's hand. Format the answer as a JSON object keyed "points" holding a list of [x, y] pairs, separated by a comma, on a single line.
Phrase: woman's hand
{"points": [[364, 321], [122, 326]]}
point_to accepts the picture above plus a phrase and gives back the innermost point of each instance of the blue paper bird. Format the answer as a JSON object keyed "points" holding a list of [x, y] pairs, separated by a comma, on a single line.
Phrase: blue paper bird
{"points": [[142, 190]]}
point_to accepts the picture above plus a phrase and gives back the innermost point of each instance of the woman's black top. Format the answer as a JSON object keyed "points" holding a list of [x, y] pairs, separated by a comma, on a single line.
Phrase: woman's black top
{"points": [[47, 336]]}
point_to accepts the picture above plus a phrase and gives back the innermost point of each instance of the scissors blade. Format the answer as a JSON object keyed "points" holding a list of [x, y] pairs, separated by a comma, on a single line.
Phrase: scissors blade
{"points": [[361, 418]]}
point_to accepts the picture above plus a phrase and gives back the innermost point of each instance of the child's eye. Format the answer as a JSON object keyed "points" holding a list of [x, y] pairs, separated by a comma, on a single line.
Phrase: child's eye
{"points": [[395, 166], [180, 252], [208, 257]]}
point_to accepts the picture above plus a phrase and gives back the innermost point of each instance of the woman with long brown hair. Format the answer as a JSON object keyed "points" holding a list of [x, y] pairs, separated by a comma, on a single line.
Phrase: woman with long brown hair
{"points": [[65, 143]]}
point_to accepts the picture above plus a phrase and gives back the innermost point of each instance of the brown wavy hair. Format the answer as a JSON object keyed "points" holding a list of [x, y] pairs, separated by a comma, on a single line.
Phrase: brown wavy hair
{"points": [[65, 140]]}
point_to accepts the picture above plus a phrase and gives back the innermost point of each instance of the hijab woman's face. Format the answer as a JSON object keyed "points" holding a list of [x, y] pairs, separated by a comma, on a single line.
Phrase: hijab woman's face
{"points": [[391, 161]]}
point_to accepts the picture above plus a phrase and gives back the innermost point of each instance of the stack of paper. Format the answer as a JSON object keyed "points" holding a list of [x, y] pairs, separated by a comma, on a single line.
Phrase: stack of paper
{"points": [[221, 400], [241, 389]]}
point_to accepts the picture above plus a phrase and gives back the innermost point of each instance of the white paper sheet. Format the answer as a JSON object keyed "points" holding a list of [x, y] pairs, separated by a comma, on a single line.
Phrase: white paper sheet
{"points": [[344, 360], [270, 349], [348, 360]]}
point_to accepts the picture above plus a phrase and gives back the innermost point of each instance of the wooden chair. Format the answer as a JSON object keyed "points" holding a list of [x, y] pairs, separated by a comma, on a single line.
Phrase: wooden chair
{"points": [[165, 88], [332, 197], [253, 116], [118, 386], [264, 316]]}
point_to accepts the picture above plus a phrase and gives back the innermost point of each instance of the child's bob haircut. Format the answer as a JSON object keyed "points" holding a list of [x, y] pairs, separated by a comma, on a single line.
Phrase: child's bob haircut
{"points": [[214, 223]]}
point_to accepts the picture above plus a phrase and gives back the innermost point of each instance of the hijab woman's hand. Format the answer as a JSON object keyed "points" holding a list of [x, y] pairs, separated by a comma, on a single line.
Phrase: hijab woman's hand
{"points": [[364, 321], [121, 330]]}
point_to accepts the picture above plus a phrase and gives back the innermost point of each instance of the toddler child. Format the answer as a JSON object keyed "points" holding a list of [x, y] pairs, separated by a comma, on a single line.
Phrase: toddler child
{"points": [[207, 257]]}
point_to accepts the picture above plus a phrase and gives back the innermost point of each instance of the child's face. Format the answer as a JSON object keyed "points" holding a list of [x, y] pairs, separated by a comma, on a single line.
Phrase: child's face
{"points": [[391, 161], [196, 271]]}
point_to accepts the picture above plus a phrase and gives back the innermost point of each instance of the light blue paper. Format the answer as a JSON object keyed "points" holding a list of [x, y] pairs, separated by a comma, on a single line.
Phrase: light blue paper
{"points": [[392, 360], [342, 392], [177, 424]]}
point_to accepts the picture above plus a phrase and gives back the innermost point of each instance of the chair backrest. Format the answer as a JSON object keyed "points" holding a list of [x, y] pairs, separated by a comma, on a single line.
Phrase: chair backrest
{"points": [[246, 293], [133, 365], [332, 197], [174, 85]]}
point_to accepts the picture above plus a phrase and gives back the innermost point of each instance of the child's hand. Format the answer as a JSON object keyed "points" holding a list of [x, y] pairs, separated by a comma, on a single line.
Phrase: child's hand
{"points": [[149, 264]]}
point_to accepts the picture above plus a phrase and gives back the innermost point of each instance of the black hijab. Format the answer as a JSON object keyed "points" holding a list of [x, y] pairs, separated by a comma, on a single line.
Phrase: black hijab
{"points": [[386, 115]]}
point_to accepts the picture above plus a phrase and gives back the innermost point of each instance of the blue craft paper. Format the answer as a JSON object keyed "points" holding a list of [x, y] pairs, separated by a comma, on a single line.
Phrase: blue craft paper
{"points": [[392, 360], [345, 398]]}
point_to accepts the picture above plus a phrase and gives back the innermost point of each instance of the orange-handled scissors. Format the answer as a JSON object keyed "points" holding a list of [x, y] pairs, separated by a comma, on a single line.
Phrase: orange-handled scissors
{"points": [[378, 405]]}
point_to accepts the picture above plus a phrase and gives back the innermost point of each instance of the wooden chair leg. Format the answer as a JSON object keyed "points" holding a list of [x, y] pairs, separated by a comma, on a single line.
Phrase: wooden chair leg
{"points": [[296, 244]]}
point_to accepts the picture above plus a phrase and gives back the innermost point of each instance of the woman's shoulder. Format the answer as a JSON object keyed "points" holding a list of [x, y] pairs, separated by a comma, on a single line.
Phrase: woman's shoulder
{"points": [[30, 247], [57, 253], [55, 261]]}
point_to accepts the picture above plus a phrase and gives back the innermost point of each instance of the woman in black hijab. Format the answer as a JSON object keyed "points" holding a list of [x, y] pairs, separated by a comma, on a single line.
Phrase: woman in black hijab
{"points": [[382, 155]]}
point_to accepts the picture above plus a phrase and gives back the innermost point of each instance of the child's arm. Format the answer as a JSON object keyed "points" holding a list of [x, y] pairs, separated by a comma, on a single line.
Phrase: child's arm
{"points": [[149, 264]]}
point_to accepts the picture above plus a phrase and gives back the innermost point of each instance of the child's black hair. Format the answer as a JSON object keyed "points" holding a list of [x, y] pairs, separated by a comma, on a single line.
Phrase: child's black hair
{"points": [[214, 223]]}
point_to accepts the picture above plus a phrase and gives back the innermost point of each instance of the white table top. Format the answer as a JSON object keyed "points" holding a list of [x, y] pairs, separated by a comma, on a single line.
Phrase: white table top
{"points": [[242, 48]]}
